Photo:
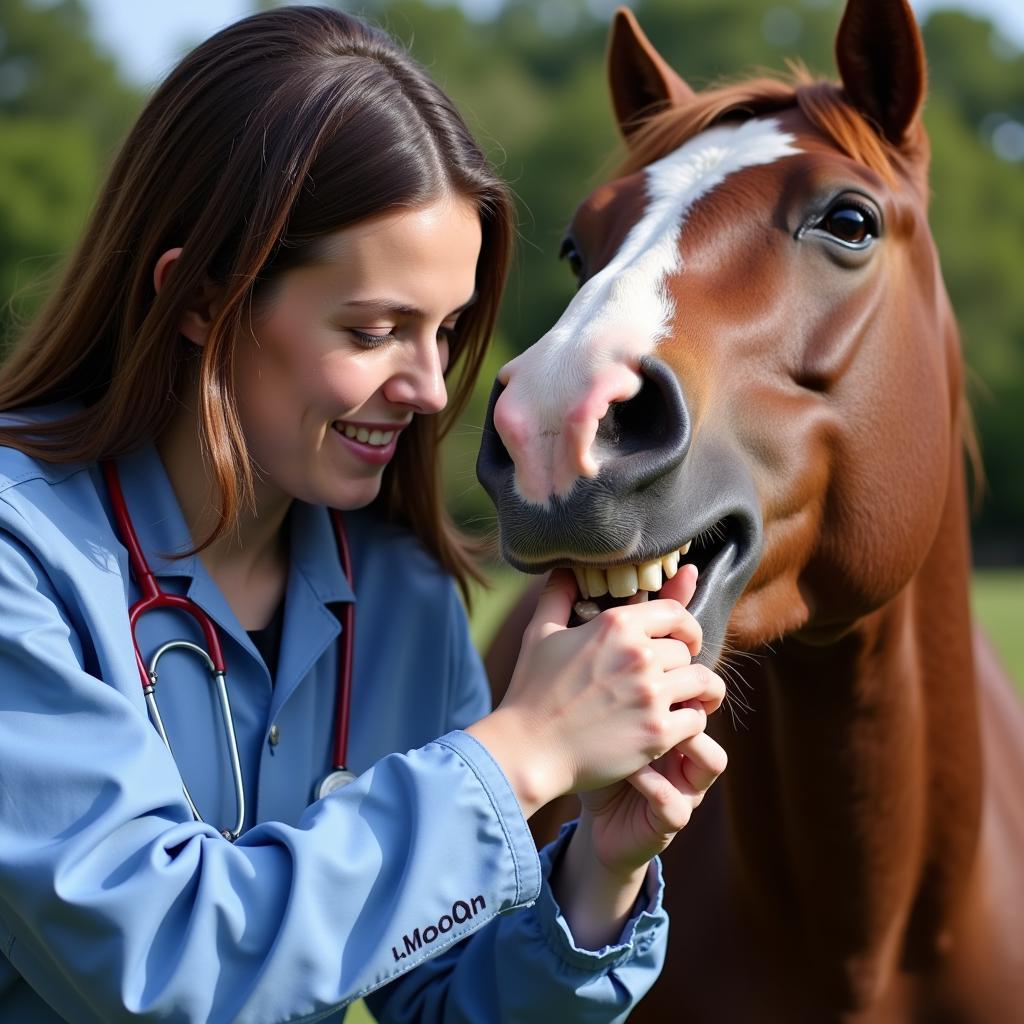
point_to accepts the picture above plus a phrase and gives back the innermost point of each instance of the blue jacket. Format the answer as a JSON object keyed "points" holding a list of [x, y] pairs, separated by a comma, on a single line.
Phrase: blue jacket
{"points": [[417, 887]]}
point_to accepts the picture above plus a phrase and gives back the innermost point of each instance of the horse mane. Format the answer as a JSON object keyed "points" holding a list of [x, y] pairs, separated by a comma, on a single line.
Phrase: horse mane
{"points": [[823, 103]]}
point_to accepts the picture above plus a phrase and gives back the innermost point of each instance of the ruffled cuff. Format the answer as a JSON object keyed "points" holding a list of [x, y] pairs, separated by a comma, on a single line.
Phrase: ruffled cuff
{"points": [[647, 925]]}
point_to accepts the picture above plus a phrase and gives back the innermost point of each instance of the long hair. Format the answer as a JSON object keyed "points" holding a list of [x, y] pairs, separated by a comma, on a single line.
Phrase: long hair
{"points": [[282, 128]]}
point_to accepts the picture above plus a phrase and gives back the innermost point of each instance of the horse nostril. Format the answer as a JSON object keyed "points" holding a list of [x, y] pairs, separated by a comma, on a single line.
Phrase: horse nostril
{"points": [[647, 435], [493, 460], [637, 424]]}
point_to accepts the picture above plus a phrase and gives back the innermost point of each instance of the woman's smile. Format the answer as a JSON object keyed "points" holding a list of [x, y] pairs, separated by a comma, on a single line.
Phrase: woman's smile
{"points": [[374, 444]]}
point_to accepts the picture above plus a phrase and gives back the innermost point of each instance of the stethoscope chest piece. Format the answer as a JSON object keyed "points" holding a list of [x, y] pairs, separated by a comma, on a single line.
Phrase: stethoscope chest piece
{"points": [[333, 781]]}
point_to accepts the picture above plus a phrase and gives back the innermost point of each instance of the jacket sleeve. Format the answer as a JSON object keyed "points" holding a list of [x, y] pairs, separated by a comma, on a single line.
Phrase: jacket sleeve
{"points": [[526, 960], [115, 905]]}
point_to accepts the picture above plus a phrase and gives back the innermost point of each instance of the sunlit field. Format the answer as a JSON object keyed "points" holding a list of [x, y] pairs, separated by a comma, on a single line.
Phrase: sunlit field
{"points": [[998, 597]]}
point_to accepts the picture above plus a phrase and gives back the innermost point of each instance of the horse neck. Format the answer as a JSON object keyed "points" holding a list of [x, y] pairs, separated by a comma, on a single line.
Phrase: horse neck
{"points": [[855, 791]]}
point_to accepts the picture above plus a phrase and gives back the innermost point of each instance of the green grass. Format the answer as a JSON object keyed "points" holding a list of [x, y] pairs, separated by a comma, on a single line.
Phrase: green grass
{"points": [[998, 599], [491, 604], [359, 1014]]}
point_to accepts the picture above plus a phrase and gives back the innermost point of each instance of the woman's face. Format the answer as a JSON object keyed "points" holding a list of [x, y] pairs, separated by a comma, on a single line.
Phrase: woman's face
{"points": [[348, 350]]}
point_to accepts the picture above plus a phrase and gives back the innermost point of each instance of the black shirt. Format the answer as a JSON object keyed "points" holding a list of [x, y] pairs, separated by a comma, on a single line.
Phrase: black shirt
{"points": [[268, 640]]}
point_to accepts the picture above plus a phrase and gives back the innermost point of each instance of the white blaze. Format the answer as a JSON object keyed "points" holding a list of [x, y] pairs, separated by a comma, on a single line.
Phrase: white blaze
{"points": [[560, 387]]}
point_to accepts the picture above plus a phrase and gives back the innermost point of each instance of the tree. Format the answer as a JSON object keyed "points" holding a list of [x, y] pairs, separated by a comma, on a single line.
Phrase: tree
{"points": [[63, 109]]}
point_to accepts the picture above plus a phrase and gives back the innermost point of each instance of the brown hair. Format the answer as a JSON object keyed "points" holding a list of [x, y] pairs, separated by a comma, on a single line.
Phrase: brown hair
{"points": [[279, 129]]}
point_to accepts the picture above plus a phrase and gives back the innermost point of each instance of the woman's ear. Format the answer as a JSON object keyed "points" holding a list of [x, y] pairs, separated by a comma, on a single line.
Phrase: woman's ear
{"points": [[195, 323]]}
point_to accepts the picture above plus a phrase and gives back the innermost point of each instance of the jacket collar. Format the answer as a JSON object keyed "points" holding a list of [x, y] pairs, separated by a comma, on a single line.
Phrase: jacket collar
{"points": [[315, 575], [163, 532]]}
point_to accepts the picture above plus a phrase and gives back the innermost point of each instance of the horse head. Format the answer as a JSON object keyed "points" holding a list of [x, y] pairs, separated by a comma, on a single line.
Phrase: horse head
{"points": [[759, 371]]}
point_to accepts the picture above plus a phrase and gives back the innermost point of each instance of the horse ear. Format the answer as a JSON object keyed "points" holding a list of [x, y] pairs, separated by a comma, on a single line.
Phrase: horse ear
{"points": [[881, 62], [640, 79]]}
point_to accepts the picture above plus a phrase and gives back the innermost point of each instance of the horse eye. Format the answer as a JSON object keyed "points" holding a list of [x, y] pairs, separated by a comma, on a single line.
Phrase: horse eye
{"points": [[569, 252], [850, 224]]}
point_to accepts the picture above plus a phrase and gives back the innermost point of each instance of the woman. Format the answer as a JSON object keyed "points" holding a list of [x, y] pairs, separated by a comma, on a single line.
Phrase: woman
{"points": [[296, 244]]}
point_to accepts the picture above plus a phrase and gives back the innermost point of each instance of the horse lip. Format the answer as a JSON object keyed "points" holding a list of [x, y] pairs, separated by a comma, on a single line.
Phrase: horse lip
{"points": [[728, 564], [718, 566], [730, 521]]}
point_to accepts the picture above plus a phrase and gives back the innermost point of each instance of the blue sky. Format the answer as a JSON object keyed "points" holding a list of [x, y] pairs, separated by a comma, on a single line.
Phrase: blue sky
{"points": [[147, 37]]}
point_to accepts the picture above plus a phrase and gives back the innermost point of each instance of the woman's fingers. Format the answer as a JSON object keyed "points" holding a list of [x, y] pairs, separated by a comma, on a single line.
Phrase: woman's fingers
{"points": [[695, 682], [702, 760], [555, 603], [669, 654], [682, 586], [677, 782], [655, 618], [668, 809]]}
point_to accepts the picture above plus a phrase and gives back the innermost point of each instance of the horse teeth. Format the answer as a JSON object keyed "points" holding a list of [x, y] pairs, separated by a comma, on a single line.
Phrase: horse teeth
{"points": [[586, 610], [597, 584], [627, 580], [581, 581], [622, 581], [649, 576]]}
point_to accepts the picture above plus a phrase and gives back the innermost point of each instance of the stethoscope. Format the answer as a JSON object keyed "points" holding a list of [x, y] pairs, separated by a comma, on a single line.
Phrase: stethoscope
{"points": [[153, 596]]}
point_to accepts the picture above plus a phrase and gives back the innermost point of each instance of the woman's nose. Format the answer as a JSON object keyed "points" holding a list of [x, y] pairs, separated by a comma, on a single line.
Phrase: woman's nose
{"points": [[419, 381]]}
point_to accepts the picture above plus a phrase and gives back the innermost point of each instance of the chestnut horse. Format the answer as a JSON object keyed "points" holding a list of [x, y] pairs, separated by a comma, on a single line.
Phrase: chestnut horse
{"points": [[762, 358]]}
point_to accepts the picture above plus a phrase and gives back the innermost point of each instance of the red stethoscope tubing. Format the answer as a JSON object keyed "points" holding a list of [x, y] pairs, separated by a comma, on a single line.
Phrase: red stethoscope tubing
{"points": [[348, 615], [153, 596]]}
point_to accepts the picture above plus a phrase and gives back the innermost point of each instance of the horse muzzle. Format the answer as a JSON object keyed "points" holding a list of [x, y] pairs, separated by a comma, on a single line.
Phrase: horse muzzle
{"points": [[660, 498]]}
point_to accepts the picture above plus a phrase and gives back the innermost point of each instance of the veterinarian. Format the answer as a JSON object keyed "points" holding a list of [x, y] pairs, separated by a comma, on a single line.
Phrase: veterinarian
{"points": [[248, 768]]}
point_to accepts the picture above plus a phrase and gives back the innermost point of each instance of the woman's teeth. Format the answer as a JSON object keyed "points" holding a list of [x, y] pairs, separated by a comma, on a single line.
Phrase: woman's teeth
{"points": [[378, 438], [626, 580]]}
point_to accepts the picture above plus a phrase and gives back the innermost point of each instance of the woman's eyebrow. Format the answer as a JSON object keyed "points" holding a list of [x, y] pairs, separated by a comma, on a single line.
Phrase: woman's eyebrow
{"points": [[401, 309]]}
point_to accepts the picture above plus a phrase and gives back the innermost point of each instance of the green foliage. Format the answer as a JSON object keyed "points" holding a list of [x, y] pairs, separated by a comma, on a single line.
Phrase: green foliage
{"points": [[47, 180], [531, 82], [51, 70], [63, 109], [977, 217]]}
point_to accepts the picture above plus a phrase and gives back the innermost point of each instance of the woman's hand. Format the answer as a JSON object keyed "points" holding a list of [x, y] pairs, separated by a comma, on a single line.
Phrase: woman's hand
{"points": [[624, 825], [630, 822], [593, 705], [621, 828]]}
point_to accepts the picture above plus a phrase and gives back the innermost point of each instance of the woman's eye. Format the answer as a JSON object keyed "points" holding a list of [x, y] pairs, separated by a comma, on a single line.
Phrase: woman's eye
{"points": [[570, 253], [850, 223], [368, 340]]}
